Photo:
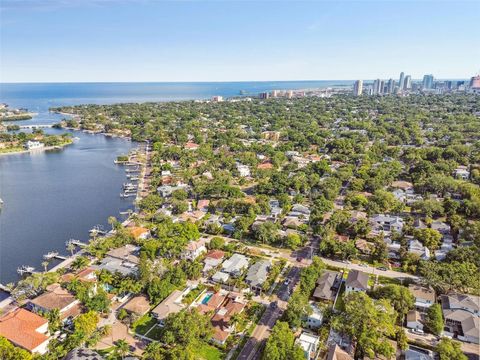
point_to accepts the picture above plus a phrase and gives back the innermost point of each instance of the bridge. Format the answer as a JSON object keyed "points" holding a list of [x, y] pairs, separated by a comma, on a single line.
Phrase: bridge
{"points": [[39, 126]]}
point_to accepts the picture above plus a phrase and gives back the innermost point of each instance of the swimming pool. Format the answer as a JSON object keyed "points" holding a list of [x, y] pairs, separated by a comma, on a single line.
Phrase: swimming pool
{"points": [[206, 298]]}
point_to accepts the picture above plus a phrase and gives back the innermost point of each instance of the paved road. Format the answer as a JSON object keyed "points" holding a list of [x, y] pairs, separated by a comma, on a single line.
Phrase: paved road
{"points": [[254, 345], [260, 333]]}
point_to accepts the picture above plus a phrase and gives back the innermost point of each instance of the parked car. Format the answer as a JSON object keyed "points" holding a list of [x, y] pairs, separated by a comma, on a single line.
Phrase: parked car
{"points": [[383, 268]]}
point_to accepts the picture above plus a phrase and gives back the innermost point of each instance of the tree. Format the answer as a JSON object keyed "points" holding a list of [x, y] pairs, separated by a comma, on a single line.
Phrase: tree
{"points": [[54, 320], [10, 352], [434, 319], [428, 237], [369, 323], [267, 232], [216, 243], [401, 338], [448, 349], [45, 265], [293, 241], [281, 344], [80, 262], [297, 309], [399, 296], [71, 248], [85, 325], [185, 329], [122, 348]]}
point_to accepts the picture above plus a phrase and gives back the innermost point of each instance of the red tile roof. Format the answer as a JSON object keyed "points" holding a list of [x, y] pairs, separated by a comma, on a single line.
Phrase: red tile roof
{"points": [[20, 327]]}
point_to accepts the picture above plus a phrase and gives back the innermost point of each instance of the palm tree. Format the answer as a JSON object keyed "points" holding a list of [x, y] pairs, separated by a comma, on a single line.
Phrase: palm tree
{"points": [[112, 220], [122, 348], [71, 248], [45, 265]]}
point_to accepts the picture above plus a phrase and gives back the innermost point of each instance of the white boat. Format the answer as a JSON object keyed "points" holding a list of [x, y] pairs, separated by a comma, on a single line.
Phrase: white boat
{"points": [[50, 255], [24, 269]]}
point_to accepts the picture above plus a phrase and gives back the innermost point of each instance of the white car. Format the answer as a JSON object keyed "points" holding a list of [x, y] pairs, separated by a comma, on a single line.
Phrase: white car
{"points": [[287, 282]]}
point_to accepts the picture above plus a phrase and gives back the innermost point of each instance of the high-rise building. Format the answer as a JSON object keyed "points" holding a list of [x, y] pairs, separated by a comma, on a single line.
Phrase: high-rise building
{"points": [[427, 83], [274, 93], [264, 95], [475, 82], [407, 85], [357, 88], [390, 86], [400, 81], [376, 87], [382, 87]]}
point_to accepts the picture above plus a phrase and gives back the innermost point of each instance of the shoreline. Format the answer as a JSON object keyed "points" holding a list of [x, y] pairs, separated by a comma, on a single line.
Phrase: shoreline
{"points": [[45, 148]]}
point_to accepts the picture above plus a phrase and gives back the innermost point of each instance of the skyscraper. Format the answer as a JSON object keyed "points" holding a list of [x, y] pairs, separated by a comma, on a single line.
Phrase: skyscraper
{"points": [[390, 86], [475, 82], [407, 85], [357, 88], [400, 81], [427, 82], [376, 87]]}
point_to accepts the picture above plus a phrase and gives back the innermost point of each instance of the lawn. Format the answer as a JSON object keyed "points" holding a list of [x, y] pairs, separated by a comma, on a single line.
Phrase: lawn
{"points": [[208, 352], [142, 325], [340, 304]]}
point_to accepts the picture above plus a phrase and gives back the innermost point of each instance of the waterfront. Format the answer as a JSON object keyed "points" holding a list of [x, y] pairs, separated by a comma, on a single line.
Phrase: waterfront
{"points": [[53, 196]]}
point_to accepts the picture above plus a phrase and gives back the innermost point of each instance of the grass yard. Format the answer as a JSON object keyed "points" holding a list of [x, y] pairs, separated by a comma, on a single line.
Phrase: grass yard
{"points": [[340, 304], [208, 352], [142, 325]]}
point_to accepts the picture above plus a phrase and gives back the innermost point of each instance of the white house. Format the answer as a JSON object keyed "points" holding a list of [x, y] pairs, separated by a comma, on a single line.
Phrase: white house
{"points": [[414, 320], [416, 247], [462, 173], [356, 281], [424, 296], [387, 223], [315, 319], [235, 265], [32, 145], [243, 170], [309, 343], [194, 249]]}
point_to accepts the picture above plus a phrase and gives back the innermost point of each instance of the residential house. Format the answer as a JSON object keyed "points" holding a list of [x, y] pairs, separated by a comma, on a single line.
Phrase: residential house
{"points": [[327, 285], [424, 296], [212, 260], [315, 319], [235, 265], [416, 353], [414, 320], [387, 223], [309, 344], [55, 297], [172, 304], [221, 320], [138, 305], [416, 247], [441, 227], [335, 352], [139, 233], [26, 330], [124, 260], [167, 190], [83, 354], [356, 281], [257, 275], [462, 313], [462, 172], [194, 249], [203, 204], [243, 170]]}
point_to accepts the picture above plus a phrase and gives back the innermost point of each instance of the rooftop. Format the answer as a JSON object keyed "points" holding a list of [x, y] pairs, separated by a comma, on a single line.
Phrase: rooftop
{"points": [[21, 328]]}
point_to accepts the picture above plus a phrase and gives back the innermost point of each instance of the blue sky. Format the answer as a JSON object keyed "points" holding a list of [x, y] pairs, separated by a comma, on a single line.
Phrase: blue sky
{"points": [[223, 40]]}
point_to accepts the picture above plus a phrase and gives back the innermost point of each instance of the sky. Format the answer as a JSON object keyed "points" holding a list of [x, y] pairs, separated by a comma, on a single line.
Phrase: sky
{"points": [[225, 40]]}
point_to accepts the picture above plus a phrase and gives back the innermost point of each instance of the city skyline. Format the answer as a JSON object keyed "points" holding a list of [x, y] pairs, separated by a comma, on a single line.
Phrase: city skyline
{"points": [[139, 41]]}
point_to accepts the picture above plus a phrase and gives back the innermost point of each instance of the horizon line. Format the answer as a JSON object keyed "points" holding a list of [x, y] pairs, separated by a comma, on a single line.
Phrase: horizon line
{"points": [[202, 81]]}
